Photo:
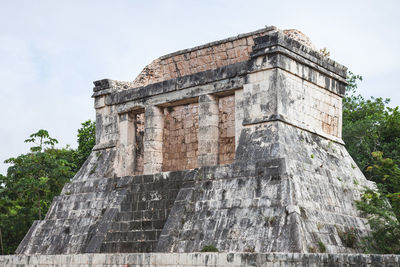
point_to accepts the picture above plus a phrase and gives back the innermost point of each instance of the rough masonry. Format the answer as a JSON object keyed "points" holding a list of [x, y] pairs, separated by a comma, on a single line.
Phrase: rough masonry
{"points": [[235, 144], [201, 260]]}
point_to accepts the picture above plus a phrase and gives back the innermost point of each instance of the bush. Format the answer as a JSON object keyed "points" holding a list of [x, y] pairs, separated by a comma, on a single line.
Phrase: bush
{"points": [[210, 248], [322, 247]]}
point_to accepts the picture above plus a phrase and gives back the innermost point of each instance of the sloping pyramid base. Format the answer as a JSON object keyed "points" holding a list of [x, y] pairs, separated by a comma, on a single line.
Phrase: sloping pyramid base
{"points": [[287, 191]]}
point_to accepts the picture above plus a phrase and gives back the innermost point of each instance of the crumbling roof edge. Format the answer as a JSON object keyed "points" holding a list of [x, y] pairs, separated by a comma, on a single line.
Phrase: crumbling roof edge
{"points": [[229, 39]]}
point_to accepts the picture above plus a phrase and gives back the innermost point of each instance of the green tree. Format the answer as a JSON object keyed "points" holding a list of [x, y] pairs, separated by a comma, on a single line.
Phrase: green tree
{"points": [[31, 183], [86, 141], [382, 206], [386, 173], [40, 174], [34, 179], [371, 129], [368, 126]]}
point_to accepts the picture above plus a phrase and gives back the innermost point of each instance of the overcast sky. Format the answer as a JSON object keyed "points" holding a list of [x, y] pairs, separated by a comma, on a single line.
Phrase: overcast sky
{"points": [[52, 51]]}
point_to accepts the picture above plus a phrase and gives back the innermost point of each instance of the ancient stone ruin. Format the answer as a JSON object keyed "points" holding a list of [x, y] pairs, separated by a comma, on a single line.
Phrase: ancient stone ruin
{"points": [[234, 144]]}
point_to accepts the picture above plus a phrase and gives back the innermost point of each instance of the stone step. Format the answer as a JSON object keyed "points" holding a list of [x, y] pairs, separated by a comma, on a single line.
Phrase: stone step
{"points": [[123, 247]]}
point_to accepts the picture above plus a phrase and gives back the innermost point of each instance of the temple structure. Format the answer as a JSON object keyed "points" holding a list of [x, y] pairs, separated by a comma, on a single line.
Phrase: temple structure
{"points": [[235, 144]]}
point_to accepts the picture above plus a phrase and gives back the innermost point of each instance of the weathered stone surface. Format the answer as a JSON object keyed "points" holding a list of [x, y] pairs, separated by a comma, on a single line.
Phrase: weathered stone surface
{"points": [[201, 259], [263, 127], [300, 191], [180, 142], [121, 214]]}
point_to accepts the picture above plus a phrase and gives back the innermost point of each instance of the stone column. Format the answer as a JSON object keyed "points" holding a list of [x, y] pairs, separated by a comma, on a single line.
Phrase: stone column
{"points": [[106, 116], [126, 145], [238, 115], [208, 133], [153, 139]]}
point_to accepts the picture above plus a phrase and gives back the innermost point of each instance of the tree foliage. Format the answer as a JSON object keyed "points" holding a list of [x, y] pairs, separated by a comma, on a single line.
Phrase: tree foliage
{"points": [[371, 130], [34, 179], [382, 207], [368, 126], [86, 141]]}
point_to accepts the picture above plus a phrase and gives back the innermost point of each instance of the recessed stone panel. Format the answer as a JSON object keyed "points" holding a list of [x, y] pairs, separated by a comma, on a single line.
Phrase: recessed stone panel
{"points": [[180, 145], [226, 129]]}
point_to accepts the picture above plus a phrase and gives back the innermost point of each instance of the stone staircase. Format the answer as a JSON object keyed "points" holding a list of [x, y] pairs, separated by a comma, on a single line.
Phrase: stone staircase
{"points": [[122, 214], [143, 213]]}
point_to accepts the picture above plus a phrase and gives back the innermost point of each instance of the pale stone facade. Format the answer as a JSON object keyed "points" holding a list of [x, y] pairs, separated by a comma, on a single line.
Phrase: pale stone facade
{"points": [[235, 144], [200, 260]]}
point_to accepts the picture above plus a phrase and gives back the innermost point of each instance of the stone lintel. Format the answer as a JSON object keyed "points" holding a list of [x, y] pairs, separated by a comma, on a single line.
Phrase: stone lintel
{"points": [[107, 86], [101, 93], [233, 72], [188, 95]]}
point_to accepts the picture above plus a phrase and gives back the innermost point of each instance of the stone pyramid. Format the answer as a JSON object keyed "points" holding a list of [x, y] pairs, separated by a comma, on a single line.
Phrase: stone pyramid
{"points": [[234, 144]]}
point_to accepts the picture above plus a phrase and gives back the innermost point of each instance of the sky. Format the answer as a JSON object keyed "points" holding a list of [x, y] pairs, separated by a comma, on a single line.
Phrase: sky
{"points": [[52, 51]]}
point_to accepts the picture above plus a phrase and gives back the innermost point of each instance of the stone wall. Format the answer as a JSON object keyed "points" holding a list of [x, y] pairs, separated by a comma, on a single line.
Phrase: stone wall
{"points": [[279, 94], [206, 57], [199, 59], [180, 145], [312, 106], [200, 260], [226, 127]]}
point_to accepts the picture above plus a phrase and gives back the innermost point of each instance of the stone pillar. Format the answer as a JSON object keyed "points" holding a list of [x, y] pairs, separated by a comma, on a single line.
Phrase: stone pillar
{"points": [[126, 145], [106, 116], [153, 139], [238, 115], [208, 131]]}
